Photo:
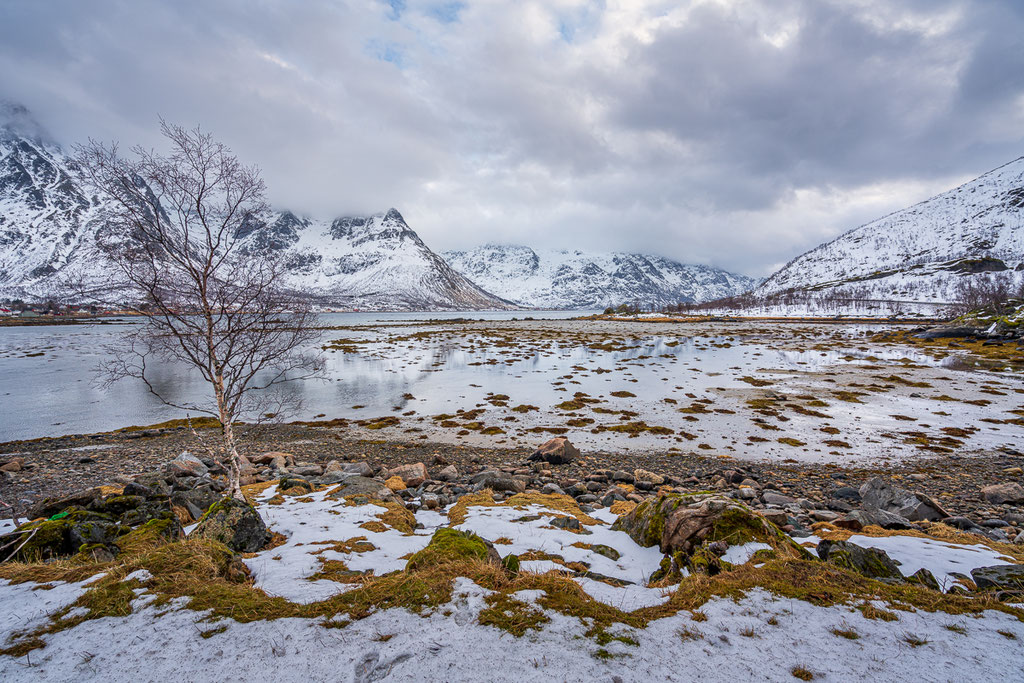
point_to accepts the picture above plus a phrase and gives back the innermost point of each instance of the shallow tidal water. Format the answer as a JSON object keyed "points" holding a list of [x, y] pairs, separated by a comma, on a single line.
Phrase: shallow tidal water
{"points": [[815, 394]]}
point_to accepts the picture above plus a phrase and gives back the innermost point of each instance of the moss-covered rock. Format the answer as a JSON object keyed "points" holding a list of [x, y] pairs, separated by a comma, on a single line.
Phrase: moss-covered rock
{"points": [[449, 546], [870, 562], [694, 531], [292, 484], [234, 523], [65, 534]]}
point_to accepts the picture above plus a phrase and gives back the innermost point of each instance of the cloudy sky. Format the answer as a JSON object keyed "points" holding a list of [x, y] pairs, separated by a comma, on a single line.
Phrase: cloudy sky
{"points": [[726, 132]]}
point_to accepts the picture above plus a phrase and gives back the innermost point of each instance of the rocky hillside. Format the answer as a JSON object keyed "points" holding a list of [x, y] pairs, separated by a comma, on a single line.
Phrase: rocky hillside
{"points": [[921, 253], [575, 279], [48, 225]]}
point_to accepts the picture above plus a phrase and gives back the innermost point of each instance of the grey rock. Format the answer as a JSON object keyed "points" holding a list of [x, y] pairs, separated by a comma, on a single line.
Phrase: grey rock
{"points": [[188, 465], [549, 489], [497, 481], [773, 498], [858, 519], [1000, 577], [570, 524], [881, 494], [449, 473]]}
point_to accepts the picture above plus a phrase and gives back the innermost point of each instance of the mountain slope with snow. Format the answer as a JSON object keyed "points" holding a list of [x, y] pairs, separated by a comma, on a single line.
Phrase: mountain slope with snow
{"points": [[924, 252], [373, 262], [575, 279], [49, 222]]}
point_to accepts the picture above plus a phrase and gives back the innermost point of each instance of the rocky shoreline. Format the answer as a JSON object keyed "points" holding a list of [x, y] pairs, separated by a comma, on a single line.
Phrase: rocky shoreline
{"points": [[980, 493]]}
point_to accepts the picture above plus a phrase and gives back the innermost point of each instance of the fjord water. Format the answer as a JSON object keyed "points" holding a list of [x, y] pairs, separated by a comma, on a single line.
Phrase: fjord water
{"points": [[50, 383]]}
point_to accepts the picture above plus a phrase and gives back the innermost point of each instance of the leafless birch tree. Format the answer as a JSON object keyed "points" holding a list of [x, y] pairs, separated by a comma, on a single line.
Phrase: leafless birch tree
{"points": [[174, 237]]}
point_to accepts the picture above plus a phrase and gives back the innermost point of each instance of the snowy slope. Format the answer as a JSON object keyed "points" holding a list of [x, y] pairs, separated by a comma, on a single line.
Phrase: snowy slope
{"points": [[368, 262], [46, 217], [575, 279], [922, 252], [48, 226]]}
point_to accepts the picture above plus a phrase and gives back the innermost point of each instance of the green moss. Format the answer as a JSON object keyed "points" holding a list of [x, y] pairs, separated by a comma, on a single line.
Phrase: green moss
{"points": [[509, 614], [449, 546]]}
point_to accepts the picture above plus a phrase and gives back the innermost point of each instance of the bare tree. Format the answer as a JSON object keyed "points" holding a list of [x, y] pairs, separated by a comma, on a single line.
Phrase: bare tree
{"points": [[174, 234]]}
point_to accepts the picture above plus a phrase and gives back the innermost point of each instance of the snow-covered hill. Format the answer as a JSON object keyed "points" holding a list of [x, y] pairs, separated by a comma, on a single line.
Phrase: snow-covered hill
{"points": [[375, 262], [921, 253], [574, 279], [49, 221]]}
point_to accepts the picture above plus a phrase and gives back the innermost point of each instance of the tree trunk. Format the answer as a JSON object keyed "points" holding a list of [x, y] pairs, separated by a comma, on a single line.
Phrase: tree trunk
{"points": [[235, 470], [228, 434]]}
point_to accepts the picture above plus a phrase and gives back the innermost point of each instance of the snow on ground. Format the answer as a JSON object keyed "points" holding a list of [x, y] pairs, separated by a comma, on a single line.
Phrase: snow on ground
{"points": [[26, 605], [942, 559], [311, 523], [757, 637], [736, 642]]}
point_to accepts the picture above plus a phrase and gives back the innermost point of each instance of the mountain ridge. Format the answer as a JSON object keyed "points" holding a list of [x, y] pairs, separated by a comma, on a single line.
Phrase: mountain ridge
{"points": [[573, 279], [922, 252]]}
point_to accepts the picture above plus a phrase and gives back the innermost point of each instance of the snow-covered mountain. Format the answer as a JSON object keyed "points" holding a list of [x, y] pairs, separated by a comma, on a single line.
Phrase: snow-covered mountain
{"points": [[46, 217], [574, 279], [49, 221], [921, 253], [375, 262]]}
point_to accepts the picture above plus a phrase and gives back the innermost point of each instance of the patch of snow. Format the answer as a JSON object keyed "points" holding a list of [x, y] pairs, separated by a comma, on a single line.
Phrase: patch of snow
{"points": [[741, 554]]}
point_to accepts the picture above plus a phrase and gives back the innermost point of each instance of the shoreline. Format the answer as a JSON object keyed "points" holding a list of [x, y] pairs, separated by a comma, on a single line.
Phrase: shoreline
{"points": [[57, 466]]}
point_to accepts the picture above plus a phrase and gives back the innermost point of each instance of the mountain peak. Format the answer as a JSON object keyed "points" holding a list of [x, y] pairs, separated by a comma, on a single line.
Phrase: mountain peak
{"points": [[16, 120]]}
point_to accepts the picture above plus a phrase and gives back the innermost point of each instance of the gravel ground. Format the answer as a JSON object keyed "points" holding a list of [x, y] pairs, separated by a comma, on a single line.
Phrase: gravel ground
{"points": [[60, 465]]}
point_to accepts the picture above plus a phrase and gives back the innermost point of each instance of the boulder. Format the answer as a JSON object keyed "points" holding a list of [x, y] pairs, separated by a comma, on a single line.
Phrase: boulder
{"points": [[998, 494], [395, 483], [234, 523], [362, 486], [308, 470], [276, 459], [556, 451], [882, 495], [187, 465], [679, 525], [361, 469], [411, 475], [947, 333], [13, 465], [925, 578], [1009, 577], [870, 562]]}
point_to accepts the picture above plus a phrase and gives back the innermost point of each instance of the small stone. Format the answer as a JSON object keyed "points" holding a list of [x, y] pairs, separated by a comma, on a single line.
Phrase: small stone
{"points": [[188, 465], [395, 483], [549, 489], [449, 473], [640, 475], [773, 498]]}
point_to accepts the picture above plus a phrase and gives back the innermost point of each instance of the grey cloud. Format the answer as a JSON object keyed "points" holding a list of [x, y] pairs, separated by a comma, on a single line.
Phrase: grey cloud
{"points": [[682, 131]]}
